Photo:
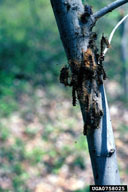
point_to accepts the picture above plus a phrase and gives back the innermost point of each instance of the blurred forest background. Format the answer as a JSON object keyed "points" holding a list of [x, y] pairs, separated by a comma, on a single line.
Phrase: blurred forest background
{"points": [[42, 148]]}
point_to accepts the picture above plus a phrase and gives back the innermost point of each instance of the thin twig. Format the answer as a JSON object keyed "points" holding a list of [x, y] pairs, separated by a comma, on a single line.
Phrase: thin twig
{"points": [[114, 30], [109, 8]]}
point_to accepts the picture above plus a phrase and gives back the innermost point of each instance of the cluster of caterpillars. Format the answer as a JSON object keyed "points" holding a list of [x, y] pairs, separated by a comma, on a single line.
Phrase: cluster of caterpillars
{"points": [[85, 77]]}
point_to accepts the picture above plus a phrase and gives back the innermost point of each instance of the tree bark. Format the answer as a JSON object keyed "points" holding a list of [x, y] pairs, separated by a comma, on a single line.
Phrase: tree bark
{"points": [[75, 34]]}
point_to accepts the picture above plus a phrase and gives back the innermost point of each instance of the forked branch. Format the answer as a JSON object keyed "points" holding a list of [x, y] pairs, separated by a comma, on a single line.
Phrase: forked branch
{"points": [[109, 8]]}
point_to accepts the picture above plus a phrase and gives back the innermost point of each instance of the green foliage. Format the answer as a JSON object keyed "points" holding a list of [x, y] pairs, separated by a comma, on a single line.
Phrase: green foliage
{"points": [[81, 144], [4, 132], [79, 162], [35, 156], [26, 52], [123, 129], [30, 48], [86, 189], [26, 49], [14, 152], [4, 190], [14, 156], [19, 183], [31, 132]]}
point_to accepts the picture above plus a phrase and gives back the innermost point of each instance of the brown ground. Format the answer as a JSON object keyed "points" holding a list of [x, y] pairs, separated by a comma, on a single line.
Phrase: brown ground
{"points": [[55, 154]]}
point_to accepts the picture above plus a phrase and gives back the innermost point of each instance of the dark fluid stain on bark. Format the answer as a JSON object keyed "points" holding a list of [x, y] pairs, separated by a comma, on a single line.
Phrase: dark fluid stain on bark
{"points": [[85, 77], [87, 12], [94, 151], [97, 176], [68, 6]]}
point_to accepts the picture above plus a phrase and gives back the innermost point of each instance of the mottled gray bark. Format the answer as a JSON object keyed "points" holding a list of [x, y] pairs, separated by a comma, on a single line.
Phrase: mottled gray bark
{"points": [[73, 34], [75, 37]]}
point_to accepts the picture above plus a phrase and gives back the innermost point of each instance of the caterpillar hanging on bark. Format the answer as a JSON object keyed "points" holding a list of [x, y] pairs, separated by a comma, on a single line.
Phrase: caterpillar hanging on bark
{"points": [[85, 77]]}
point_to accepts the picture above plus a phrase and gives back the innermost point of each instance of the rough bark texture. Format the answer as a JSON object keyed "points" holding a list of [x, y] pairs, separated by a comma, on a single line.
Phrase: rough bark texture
{"points": [[73, 33], [75, 24]]}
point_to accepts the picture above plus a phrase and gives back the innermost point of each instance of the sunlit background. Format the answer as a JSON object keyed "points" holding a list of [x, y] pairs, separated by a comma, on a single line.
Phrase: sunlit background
{"points": [[42, 148]]}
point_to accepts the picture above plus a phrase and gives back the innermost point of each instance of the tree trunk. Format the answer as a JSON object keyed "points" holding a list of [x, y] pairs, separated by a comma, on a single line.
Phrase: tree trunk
{"points": [[75, 25]]}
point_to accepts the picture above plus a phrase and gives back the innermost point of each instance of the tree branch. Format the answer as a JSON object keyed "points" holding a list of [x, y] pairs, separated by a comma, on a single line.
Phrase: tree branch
{"points": [[109, 8]]}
